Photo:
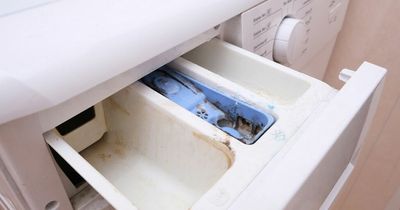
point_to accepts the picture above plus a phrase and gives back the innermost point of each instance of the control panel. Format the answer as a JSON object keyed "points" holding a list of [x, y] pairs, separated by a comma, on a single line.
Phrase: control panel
{"points": [[287, 31]]}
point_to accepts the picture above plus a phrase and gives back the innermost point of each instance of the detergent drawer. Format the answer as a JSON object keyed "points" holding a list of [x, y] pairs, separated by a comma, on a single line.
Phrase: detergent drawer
{"points": [[148, 154], [155, 149], [306, 169]]}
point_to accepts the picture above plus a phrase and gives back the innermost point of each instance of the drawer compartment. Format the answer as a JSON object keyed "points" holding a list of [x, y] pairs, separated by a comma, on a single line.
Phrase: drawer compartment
{"points": [[154, 155], [253, 72], [231, 115]]}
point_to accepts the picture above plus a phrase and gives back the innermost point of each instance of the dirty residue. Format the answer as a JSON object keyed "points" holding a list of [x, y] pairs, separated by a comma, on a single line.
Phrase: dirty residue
{"points": [[218, 142], [104, 156], [108, 147], [119, 151], [229, 114], [119, 140]]}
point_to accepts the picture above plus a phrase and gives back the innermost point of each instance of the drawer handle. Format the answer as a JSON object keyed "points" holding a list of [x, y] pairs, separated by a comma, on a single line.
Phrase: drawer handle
{"points": [[88, 172]]}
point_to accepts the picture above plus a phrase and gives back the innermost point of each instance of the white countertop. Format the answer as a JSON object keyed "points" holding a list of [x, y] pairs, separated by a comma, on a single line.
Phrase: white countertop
{"points": [[56, 51]]}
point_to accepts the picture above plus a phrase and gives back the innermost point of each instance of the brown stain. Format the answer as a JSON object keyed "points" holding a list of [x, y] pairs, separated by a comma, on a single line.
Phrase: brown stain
{"points": [[118, 107], [227, 143], [216, 142], [104, 156], [226, 140], [119, 140], [201, 136], [119, 151]]}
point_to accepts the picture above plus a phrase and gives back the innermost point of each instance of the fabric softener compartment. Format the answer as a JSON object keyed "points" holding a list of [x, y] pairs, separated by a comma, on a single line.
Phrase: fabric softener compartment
{"points": [[234, 117]]}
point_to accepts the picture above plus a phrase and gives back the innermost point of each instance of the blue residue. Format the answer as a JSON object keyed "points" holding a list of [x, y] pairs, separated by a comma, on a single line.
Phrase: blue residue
{"points": [[234, 117]]}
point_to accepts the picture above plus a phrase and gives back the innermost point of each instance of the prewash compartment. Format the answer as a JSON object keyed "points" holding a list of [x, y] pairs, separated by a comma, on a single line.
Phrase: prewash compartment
{"points": [[248, 70], [154, 155]]}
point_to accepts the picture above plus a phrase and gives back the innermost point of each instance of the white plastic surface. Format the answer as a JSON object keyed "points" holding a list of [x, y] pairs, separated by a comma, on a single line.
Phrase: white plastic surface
{"points": [[311, 117], [346, 74], [93, 177], [90, 131], [152, 156], [337, 188], [59, 50], [256, 29], [290, 41], [56, 115], [262, 76], [325, 149], [9, 7]]}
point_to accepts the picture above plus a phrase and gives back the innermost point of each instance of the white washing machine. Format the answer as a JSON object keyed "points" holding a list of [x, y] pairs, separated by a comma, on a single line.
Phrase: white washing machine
{"points": [[300, 34], [80, 129]]}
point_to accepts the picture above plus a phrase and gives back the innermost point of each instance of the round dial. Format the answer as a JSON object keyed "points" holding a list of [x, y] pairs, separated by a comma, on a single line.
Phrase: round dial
{"points": [[289, 41]]}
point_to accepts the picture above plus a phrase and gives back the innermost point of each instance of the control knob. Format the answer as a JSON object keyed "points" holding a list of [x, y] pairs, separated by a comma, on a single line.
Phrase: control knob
{"points": [[289, 43]]}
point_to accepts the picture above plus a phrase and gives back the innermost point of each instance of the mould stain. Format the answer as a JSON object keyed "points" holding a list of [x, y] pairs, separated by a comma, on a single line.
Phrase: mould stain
{"points": [[119, 151], [104, 156], [231, 114], [227, 143], [226, 149], [200, 136], [119, 140], [120, 143]]}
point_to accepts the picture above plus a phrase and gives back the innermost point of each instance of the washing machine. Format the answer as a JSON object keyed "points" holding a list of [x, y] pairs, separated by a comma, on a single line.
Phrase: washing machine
{"points": [[177, 105], [299, 34]]}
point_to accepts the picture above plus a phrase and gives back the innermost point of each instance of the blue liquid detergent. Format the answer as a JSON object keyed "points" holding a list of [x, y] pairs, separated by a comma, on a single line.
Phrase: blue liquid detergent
{"points": [[230, 115]]}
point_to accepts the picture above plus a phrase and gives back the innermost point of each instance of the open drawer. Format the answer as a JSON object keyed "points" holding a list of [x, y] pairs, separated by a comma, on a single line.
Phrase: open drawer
{"points": [[157, 155], [304, 174]]}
